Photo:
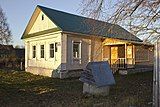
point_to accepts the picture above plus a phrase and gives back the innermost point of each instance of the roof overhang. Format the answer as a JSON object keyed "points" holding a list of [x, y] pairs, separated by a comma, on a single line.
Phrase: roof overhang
{"points": [[40, 33]]}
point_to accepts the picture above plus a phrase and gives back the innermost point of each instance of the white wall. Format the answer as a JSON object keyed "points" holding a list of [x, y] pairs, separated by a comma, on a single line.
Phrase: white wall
{"points": [[46, 65], [46, 62], [41, 25]]}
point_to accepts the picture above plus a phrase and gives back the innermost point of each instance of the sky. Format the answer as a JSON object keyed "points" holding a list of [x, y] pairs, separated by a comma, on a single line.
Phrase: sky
{"points": [[18, 13]]}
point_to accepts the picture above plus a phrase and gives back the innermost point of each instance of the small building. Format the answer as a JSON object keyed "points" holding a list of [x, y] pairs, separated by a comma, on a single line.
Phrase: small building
{"points": [[5, 50], [20, 53], [11, 57], [59, 43], [6, 54], [20, 58]]}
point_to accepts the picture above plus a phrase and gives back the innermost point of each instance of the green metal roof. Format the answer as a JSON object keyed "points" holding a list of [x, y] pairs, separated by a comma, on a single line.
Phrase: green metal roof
{"points": [[77, 24]]}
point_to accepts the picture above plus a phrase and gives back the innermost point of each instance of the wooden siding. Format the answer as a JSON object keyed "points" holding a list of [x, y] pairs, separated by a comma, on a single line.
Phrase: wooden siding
{"points": [[41, 25], [106, 52], [144, 55], [91, 50]]}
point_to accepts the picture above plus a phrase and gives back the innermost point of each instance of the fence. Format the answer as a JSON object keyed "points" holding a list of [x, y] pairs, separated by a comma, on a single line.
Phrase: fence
{"points": [[156, 76]]}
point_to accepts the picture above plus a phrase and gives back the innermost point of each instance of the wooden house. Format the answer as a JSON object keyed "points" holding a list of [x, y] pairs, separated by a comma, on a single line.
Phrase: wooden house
{"points": [[59, 43]]}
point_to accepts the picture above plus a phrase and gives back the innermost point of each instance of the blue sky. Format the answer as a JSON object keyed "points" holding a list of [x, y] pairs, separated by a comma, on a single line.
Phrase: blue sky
{"points": [[18, 12]]}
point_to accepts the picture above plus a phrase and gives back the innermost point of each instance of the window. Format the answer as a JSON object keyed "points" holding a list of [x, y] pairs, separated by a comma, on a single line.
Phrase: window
{"points": [[42, 51], [56, 48], [129, 52], [76, 50], [42, 16], [34, 51], [142, 53], [51, 50]]}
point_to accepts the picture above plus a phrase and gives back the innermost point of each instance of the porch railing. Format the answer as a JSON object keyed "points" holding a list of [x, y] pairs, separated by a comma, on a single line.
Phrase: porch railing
{"points": [[118, 63]]}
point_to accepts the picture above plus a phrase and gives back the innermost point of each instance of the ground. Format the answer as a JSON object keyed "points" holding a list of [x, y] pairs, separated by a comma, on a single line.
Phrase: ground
{"points": [[25, 89]]}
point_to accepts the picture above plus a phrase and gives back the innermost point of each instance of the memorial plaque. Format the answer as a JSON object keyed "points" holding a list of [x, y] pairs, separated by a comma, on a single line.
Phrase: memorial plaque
{"points": [[98, 73]]}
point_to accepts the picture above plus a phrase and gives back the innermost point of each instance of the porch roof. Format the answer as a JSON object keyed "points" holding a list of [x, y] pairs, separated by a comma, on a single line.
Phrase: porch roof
{"points": [[110, 41]]}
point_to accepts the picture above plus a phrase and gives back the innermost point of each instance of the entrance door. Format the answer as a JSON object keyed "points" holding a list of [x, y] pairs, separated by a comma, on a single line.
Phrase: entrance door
{"points": [[114, 54], [130, 56], [118, 56]]}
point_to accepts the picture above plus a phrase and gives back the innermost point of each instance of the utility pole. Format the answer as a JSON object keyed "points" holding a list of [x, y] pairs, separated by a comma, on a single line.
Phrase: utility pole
{"points": [[156, 75]]}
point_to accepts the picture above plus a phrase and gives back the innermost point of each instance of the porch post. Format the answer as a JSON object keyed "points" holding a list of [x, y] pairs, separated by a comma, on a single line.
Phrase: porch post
{"points": [[133, 53], [125, 55]]}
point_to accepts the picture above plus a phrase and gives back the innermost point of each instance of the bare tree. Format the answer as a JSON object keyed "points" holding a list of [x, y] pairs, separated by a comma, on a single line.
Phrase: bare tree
{"points": [[5, 33], [140, 17]]}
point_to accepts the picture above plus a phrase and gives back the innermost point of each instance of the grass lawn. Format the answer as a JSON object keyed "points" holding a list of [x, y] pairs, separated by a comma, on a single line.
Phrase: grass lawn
{"points": [[25, 89]]}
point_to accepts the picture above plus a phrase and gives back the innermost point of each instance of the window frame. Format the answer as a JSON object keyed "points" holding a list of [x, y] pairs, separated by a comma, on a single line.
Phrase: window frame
{"points": [[34, 51], [80, 54], [42, 17], [53, 49], [56, 46], [42, 51]]}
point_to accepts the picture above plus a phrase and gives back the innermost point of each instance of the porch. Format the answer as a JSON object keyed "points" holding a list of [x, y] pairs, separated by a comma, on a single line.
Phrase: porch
{"points": [[119, 54]]}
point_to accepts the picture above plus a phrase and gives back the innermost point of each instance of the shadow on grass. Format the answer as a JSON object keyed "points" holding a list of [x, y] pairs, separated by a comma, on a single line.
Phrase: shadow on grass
{"points": [[25, 89]]}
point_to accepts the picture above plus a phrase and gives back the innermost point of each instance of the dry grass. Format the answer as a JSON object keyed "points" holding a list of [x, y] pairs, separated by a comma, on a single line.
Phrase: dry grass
{"points": [[25, 89]]}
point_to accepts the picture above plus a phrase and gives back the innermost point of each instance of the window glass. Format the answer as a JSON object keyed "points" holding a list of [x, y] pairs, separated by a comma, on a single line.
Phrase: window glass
{"points": [[76, 50], [51, 50], [56, 48], [42, 51], [129, 52], [42, 16], [34, 51]]}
